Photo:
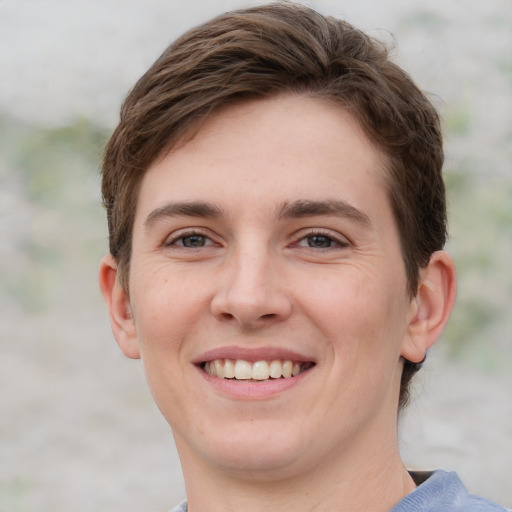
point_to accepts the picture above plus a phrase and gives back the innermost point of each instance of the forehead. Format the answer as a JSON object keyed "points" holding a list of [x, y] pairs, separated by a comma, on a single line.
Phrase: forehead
{"points": [[275, 144]]}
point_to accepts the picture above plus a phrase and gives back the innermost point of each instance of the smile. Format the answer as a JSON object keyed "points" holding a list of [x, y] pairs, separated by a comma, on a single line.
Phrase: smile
{"points": [[240, 369]]}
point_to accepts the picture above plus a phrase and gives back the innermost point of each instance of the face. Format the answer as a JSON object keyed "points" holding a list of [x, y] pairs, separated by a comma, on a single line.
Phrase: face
{"points": [[267, 289]]}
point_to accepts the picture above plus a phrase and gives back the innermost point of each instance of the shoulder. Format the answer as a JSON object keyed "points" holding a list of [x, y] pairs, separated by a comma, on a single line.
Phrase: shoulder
{"points": [[439, 492], [444, 492], [182, 507]]}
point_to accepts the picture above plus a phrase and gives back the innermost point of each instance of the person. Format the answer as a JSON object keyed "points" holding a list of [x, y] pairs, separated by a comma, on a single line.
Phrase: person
{"points": [[277, 218]]}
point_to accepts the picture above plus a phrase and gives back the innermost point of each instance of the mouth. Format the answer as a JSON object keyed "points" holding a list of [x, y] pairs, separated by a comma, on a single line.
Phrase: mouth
{"points": [[258, 371]]}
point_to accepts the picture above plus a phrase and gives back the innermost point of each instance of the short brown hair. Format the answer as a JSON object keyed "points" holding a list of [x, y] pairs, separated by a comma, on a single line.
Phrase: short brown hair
{"points": [[268, 50]]}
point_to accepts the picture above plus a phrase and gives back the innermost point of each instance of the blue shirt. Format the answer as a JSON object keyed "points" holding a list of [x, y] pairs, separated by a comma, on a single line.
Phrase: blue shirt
{"points": [[440, 492], [444, 492]]}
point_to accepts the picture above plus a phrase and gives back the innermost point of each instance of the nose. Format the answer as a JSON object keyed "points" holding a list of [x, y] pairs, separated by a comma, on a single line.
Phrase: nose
{"points": [[252, 291]]}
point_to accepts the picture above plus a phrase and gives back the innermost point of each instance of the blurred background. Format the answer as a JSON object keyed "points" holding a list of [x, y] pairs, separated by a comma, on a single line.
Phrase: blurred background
{"points": [[78, 429]]}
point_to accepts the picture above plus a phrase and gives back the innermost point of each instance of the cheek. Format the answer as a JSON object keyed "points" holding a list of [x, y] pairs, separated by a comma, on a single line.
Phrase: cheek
{"points": [[165, 309], [360, 314], [362, 323], [166, 312]]}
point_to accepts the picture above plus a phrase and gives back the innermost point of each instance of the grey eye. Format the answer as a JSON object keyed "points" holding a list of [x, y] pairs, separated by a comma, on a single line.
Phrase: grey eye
{"points": [[319, 241], [193, 241]]}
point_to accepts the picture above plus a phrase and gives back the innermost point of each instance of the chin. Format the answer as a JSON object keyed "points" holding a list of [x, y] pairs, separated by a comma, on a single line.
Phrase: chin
{"points": [[265, 465], [255, 450]]}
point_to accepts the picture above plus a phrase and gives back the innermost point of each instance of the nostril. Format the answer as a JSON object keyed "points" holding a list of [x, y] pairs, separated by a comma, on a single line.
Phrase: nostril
{"points": [[250, 310], [257, 321]]}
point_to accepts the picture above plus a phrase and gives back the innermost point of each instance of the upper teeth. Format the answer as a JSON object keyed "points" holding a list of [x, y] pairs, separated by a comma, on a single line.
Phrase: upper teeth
{"points": [[259, 370]]}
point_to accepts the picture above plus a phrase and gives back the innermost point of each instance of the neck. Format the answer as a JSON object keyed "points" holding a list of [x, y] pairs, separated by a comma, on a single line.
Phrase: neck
{"points": [[356, 482]]}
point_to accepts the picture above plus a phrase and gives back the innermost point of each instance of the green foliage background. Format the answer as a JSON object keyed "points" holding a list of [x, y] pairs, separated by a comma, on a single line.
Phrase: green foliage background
{"points": [[57, 175], [54, 176]]}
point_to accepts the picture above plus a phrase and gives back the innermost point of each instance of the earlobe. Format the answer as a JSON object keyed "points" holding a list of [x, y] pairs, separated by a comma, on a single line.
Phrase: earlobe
{"points": [[118, 304], [430, 309]]}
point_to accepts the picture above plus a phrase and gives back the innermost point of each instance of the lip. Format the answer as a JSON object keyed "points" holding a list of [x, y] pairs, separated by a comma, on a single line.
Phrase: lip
{"points": [[243, 389], [252, 355]]}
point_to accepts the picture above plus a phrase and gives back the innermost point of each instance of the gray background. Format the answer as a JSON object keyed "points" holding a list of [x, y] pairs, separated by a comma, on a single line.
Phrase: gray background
{"points": [[78, 429]]}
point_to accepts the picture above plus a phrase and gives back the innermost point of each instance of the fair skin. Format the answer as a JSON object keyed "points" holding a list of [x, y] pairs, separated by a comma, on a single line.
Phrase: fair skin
{"points": [[269, 237]]}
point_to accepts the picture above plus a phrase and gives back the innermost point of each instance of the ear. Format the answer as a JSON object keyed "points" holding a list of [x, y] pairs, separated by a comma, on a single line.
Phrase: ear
{"points": [[431, 307], [118, 304]]}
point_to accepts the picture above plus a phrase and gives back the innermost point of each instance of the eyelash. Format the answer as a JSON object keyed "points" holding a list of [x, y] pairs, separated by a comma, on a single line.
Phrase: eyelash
{"points": [[173, 241], [338, 241]]}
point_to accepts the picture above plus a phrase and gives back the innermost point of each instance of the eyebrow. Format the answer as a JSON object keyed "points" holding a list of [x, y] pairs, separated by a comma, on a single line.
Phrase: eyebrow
{"points": [[183, 209], [296, 209], [308, 208]]}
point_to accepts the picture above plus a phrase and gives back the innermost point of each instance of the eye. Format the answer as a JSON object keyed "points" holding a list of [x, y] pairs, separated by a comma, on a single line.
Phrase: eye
{"points": [[319, 241], [322, 241], [190, 241], [193, 241]]}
